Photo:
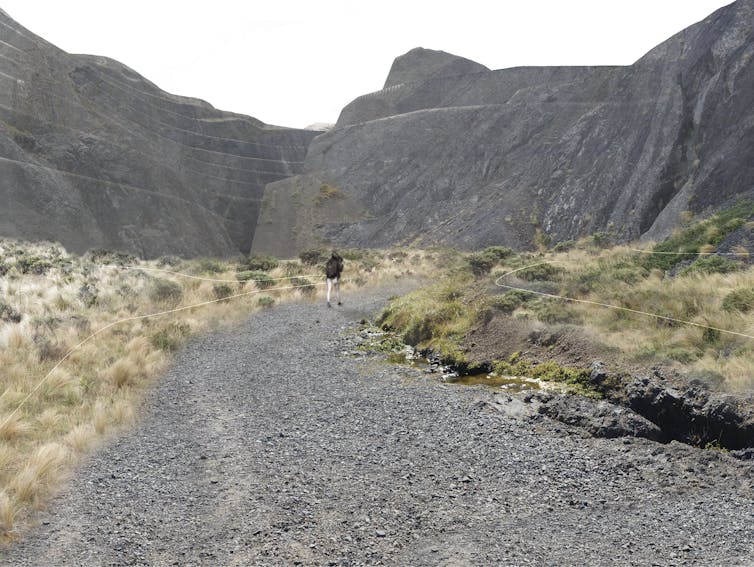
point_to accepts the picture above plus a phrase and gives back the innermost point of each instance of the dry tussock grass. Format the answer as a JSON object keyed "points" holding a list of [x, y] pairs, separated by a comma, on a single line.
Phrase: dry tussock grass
{"points": [[70, 310], [696, 299]]}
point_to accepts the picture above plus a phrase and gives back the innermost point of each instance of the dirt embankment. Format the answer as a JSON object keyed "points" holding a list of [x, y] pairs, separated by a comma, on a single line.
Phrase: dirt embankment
{"points": [[681, 408]]}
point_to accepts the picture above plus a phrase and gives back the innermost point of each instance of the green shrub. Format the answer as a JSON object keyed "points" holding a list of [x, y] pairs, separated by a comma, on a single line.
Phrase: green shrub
{"points": [[105, 256], [265, 302], [739, 300], [709, 232], [552, 312], [171, 261], [710, 335], [209, 266], [9, 314], [480, 264], [510, 301], [603, 239], [425, 326], [258, 263], [164, 291], [33, 265], [88, 294], [221, 291], [498, 252], [314, 256], [541, 272], [711, 265], [171, 336], [629, 274], [261, 279]]}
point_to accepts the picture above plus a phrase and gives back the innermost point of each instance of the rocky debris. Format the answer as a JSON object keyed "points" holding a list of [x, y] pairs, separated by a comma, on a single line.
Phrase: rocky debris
{"points": [[244, 455], [93, 155], [684, 411], [491, 157], [597, 417]]}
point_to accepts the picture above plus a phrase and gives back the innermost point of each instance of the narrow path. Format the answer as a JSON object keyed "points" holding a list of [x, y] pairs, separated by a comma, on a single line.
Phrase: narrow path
{"points": [[268, 446]]}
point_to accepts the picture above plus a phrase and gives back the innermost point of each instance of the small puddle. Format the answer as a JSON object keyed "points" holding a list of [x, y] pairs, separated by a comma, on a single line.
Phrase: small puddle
{"points": [[508, 383]]}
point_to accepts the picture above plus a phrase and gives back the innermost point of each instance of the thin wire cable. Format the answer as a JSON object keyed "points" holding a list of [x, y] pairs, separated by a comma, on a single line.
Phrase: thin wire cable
{"points": [[606, 305], [181, 274], [137, 318], [640, 251]]}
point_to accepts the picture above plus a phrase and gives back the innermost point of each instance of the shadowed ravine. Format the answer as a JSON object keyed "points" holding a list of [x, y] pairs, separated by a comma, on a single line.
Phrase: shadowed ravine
{"points": [[267, 446]]}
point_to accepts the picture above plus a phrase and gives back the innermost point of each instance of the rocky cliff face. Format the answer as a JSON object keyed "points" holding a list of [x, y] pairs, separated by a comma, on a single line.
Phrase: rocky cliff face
{"points": [[94, 155], [451, 153]]}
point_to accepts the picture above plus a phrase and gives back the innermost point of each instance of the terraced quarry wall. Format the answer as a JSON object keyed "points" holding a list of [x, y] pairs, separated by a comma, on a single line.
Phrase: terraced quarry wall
{"points": [[94, 155]]}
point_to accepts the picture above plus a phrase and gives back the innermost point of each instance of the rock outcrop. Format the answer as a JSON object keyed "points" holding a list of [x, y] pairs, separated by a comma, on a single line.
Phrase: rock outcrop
{"points": [[94, 155], [449, 153]]}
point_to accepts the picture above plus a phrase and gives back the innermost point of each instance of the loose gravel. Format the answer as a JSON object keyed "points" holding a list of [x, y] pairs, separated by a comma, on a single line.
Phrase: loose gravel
{"points": [[272, 445]]}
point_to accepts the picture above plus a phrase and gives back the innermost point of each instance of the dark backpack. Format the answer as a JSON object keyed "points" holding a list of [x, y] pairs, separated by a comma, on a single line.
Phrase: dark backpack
{"points": [[334, 267]]}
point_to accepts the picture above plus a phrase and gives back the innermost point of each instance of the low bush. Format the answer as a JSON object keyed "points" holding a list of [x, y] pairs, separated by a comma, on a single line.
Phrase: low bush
{"points": [[262, 279], [706, 233], [313, 256], [169, 261], [541, 272], [9, 314], [739, 300], [170, 337], [711, 265], [510, 301], [33, 265], [258, 263], [88, 294], [105, 256], [482, 262], [165, 291], [551, 312], [221, 291], [265, 302], [209, 266]]}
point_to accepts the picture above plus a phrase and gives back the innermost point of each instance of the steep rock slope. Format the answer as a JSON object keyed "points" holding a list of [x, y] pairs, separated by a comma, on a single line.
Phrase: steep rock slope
{"points": [[454, 154], [94, 155]]}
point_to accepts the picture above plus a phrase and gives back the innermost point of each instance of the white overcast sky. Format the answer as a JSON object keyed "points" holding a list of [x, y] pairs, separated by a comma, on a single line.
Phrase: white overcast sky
{"points": [[297, 62]]}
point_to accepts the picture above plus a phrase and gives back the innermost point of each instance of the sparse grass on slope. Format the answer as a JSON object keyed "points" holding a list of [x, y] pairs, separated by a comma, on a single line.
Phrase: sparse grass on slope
{"points": [[712, 293], [51, 301]]}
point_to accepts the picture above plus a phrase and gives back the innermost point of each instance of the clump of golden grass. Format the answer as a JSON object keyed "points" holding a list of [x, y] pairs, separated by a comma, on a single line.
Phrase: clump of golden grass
{"points": [[76, 364]]}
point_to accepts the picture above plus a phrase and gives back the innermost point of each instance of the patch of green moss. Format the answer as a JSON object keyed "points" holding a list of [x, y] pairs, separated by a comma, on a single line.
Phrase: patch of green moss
{"points": [[576, 379]]}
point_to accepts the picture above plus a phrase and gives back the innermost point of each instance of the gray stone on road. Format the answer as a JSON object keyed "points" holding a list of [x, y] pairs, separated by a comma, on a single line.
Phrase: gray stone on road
{"points": [[266, 445]]}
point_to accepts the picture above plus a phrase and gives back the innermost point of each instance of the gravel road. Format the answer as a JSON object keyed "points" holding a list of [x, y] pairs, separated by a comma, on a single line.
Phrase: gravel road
{"points": [[268, 445]]}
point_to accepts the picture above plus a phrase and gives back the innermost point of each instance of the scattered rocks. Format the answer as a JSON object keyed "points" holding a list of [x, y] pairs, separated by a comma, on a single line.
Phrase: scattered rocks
{"points": [[352, 461]]}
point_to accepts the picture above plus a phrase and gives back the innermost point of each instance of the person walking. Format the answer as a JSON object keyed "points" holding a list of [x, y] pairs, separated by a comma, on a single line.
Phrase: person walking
{"points": [[333, 270]]}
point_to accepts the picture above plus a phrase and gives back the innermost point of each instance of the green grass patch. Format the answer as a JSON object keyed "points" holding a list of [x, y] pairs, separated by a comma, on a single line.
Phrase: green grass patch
{"points": [[706, 233]]}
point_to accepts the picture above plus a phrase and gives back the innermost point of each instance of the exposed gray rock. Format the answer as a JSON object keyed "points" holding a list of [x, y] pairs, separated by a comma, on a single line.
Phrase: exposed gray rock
{"points": [[598, 417], [94, 155], [419, 65], [451, 154]]}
